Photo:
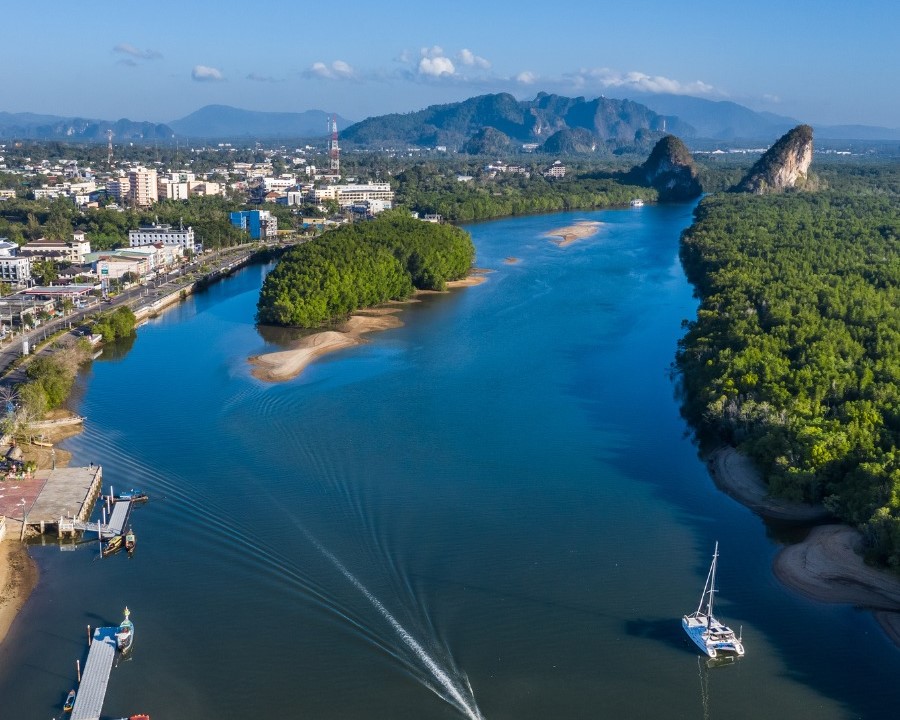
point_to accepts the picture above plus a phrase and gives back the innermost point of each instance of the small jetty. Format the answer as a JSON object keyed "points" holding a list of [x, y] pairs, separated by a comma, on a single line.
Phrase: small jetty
{"points": [[118, 519], [95, 678]]}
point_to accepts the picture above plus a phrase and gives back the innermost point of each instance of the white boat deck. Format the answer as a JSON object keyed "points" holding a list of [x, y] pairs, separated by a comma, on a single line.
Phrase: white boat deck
{"points": [[94, 679]]}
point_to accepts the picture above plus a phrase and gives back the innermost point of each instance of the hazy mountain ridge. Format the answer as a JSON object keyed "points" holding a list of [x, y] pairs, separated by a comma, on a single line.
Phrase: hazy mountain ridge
{"points": [[50, 127], [224, 121]]}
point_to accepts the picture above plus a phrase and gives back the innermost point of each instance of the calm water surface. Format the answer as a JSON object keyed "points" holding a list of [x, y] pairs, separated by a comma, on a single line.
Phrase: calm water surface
{"points": [[494, 511]]}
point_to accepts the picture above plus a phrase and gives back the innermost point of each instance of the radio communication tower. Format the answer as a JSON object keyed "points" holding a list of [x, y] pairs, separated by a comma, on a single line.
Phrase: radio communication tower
{"points": [[109, 137], [333, 150]]}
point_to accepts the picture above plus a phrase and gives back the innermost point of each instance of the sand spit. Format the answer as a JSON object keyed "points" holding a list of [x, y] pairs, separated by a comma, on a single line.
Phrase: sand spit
{"points": [[287, 364], [572, 233], [737, 476], [828, 565]]}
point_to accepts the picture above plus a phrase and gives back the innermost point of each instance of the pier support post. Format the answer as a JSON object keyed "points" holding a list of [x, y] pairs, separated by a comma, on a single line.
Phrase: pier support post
{"points": [[78, 669], [89, 635]]}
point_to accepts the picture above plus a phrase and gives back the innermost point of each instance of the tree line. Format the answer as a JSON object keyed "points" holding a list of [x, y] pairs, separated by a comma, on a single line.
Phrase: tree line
{"points": [[361, 265], [795, 352]]}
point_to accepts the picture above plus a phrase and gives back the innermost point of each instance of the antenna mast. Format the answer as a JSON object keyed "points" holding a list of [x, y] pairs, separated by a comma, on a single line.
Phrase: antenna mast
{"points": [[333, 150], [109, 154]]}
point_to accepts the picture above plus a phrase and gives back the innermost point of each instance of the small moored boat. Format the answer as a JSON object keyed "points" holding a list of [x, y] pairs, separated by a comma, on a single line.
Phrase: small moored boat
{"points": [[708, 633], [130, 540], [637, 202], [135, 496], [125, 633], [70, 702], [113, 545]]}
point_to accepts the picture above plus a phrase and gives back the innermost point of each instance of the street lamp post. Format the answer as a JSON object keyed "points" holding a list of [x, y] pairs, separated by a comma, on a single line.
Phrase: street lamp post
{"points": [[24, 519]]}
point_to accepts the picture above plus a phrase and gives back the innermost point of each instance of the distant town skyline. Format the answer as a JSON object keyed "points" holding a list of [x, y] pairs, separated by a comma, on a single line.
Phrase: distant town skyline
{"points": [[819, 63]]}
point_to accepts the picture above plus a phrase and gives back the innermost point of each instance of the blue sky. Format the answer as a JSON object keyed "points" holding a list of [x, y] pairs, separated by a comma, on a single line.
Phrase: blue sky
{"points": [[820, 62]]}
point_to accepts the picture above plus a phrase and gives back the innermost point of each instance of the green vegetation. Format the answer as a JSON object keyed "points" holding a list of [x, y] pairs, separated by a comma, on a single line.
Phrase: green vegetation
{"points": [[426, 190], [115, 325], [795, 352], [362, 265]]}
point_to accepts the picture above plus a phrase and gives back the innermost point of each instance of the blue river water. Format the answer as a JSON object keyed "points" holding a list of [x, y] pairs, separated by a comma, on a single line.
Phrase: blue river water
{"points": [[494, 511]]}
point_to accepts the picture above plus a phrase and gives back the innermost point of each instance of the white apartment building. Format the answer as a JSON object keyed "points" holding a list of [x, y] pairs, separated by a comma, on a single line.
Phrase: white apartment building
{"points": [[119, 188], [15, 270], [279, 183], [347, 195], [167, 189], [143, 192], [162, 234], [69, 251]]}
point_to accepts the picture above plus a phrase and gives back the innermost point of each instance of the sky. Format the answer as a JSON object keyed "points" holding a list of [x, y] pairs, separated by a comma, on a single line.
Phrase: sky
{"points": [[822, 62]]}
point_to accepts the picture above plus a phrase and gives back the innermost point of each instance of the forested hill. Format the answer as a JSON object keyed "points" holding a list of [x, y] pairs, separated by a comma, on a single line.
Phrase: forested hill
{"points": [[527, 121], [361, 265], [795, 352]]}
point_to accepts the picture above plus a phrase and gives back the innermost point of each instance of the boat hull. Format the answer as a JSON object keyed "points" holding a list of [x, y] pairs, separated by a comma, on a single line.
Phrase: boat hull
{"points": [[722, 641]]}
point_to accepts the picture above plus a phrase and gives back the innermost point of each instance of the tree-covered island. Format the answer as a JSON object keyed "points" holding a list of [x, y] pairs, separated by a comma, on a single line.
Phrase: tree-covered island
{"points": [[361, 265]]}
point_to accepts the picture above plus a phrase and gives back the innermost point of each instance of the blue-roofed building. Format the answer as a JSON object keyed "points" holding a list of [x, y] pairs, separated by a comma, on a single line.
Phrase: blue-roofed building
{"points": [[260, 224]]}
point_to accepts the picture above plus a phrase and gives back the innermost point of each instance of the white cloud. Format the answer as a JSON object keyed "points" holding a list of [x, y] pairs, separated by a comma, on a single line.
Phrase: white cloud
{"points": [[467, 57], [526, 77], [606, 77], [128, 49], [436, 66], [203, 73], [771, 98], [338, 70]]}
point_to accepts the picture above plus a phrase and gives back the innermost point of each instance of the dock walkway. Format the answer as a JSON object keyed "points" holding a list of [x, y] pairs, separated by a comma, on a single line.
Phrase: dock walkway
{"points": [[95, 678], [118, 519]]}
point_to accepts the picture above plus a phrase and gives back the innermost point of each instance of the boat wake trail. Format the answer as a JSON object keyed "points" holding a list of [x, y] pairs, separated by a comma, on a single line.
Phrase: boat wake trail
{"points": [[452, 691]]}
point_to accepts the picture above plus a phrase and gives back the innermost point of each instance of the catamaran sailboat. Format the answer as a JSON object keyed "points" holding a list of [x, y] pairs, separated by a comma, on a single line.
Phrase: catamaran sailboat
{"points": [[710, 635]]}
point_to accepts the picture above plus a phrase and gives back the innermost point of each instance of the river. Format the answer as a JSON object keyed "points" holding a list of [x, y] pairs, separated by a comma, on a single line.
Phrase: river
{"points": [[493, 511]]}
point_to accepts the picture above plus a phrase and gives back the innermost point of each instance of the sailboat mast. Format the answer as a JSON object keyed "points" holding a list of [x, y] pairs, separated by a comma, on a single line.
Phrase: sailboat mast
{"points": [[712, 582]]}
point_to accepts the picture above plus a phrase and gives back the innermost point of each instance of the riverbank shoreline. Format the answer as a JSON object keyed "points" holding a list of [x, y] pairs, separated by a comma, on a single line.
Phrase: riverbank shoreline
{"points": [[827, 566], [287, 364], [19, 573]]}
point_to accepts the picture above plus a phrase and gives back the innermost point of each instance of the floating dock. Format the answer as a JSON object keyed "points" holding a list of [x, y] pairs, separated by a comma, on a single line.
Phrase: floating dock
{"points": [[95, 678], [118, 519]]}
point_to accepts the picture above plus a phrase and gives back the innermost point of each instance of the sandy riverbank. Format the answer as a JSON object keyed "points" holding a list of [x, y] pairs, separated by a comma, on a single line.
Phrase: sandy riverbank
{"points": [[287, 364], [572, 233], [828, 565], [18, 572], [736, 475]]}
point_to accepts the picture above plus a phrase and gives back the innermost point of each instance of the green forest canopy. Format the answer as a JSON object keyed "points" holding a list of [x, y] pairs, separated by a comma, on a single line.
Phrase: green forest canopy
{"points": [[361, 265], [795, 352]]}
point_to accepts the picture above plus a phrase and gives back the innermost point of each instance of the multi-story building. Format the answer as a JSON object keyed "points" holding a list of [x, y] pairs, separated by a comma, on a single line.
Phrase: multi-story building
{"points": [[556, 170], [143, 192], [68, 251], [162, 234], [119, 189], [13, 269], [171, 190], [348, 195], [261, 224]]}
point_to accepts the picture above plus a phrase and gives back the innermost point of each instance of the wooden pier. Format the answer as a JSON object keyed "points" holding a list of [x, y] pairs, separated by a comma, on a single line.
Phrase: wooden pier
{"points": [[95, 678]]}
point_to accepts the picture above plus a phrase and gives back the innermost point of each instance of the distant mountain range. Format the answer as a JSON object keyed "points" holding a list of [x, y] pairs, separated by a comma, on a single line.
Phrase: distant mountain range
{"points": [[50, 127], [483, 124], [458, 125], [222, 121]]}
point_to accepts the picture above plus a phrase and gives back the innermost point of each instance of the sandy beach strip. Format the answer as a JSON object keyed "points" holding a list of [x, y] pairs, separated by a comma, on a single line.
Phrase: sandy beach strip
{"points": [[572, 233], [736, 475], [828, 565], [18, 577], [288, 364]]}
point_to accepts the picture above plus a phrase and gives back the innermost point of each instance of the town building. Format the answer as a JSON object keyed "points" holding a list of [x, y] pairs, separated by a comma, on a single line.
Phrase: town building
{"points": [[164, 235], [119, 189], [143, 191], [72, 251], [349, 195], [14, 269], [556, 170], [260, 224]]}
